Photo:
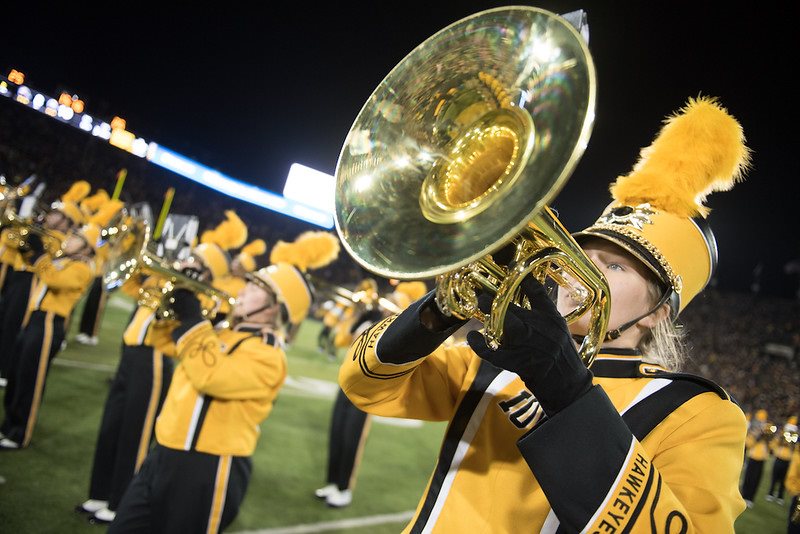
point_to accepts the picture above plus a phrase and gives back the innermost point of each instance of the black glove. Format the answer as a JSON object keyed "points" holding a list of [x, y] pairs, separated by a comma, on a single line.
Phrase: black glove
{"points": [[186, 306], [416, 332], [537, 346], [34, 246]]}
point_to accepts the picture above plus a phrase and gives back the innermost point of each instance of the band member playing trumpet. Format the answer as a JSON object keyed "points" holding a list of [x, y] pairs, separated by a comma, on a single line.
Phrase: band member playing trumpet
{"points": [[139, 387], [349, 425], [536, 439], [224, 387], [59, 283], [63, 215]]}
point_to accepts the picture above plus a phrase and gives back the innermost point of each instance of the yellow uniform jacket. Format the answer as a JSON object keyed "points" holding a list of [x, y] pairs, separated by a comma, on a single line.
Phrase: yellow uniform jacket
{"points": [[223, 388], [59, 284], [143, 327], [643, 451], [780, 448]]}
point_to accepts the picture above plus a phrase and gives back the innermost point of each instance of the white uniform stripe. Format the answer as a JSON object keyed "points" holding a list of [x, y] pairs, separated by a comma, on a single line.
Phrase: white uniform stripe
{"points": [[145, 326], [198, 406], [497, 385], [650, 388]]}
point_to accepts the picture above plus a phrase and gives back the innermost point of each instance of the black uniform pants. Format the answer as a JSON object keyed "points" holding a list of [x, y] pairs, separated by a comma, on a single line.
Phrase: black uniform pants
{"points": [[779, 469], [348, 434], [126, 429], [92, 313], [752, 476], [794, 521], [13, 303], [36, 346], [183, 492]]}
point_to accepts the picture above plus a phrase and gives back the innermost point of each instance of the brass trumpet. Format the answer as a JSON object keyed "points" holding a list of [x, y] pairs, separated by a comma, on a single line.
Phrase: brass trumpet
{"points": [[130, 255], [20, 229], [457, 154]]}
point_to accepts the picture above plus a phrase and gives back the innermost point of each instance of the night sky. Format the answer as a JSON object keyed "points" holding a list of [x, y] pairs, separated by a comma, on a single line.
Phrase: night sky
{"points": [[249, 94]]}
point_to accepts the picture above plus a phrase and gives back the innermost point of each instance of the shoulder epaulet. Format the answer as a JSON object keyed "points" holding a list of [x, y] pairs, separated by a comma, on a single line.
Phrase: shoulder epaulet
{"points": [[699, 380]]}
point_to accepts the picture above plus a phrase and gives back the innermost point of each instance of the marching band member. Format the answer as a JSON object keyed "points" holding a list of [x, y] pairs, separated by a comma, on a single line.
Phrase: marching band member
{"points": [[63, 215], [230, 234], [782, 446], [138, 390], [757, 446], [60, 281], [224, 387], [94, 304], [349, 426], [536, 440]]}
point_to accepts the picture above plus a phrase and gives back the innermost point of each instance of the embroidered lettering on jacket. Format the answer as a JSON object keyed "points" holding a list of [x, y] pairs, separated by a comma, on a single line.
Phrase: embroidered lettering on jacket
{"points": [[522, 410]]}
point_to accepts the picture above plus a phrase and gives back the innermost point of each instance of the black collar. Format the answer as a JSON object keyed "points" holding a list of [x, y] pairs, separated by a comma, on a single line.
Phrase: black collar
{"points": [[620, 363]]}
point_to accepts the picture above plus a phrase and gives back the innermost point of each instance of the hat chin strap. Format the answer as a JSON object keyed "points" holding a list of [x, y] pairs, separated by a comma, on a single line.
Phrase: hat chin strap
{"points": [[614, 334]]}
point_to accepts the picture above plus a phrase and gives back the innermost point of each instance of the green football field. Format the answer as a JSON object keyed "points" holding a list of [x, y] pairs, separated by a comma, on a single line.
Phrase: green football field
{"points": [[41, 484]]}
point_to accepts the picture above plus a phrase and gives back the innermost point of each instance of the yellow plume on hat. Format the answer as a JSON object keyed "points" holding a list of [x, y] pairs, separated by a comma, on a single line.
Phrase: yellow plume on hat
{"points": [[94, 202], [103, 216], [256, 247], [248, 253], [311, 250], [700, 149], [229, 234], [77, 191]]}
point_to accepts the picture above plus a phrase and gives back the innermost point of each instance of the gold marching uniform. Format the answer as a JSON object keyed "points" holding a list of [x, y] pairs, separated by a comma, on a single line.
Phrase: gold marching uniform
{"points": [[596, 472], [57, 286], [223, 388], [636, 448]]}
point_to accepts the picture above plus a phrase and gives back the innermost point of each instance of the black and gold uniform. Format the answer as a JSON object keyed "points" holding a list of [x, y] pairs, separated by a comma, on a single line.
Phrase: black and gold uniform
{"points": [[134, 399], [782, 446], [95, 301], [536, 442], [137, 394], [58, 284], [222, 390], [757, 447], [349, 426]]}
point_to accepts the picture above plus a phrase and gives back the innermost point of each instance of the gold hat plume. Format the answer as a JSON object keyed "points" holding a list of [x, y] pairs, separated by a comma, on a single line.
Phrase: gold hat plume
{"points": [[103, 216], [92, 203], [700, 149], [229, 234], [257, 247], [247, 255], [311, 250], [77, 191]]}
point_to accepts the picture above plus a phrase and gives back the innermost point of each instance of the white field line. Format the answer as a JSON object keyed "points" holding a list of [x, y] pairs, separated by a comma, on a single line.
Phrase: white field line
{"points": [[327, 526]]}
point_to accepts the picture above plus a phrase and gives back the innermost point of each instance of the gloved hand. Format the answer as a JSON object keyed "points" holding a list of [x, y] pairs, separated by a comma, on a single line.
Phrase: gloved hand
{"points": [[35, 246], [186, 306], [537, 346]]}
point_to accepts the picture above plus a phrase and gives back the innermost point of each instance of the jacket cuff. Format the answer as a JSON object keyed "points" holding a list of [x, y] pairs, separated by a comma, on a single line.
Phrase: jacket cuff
{"points": [[407, 339], [587, 441]]}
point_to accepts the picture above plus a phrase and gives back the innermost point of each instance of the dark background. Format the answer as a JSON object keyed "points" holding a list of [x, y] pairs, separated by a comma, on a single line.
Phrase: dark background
{"points": [[250, 93]]}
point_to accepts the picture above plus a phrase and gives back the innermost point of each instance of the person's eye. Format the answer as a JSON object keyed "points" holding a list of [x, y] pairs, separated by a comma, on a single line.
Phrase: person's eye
{"points": [[615, 267]]}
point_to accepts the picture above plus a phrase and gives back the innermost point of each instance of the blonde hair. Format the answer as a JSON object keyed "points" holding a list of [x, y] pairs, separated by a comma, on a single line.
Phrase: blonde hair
{"points": [[664, 344]]}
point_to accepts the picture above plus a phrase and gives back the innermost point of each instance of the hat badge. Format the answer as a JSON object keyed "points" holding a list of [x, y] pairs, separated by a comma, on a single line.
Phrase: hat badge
{"points": [[635, 216]]}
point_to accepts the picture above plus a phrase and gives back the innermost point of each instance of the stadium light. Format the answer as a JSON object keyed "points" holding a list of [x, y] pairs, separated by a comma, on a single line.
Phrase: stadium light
{"points": [[310, 187], [70, 111]]}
